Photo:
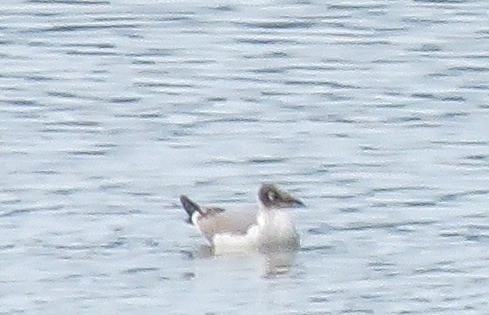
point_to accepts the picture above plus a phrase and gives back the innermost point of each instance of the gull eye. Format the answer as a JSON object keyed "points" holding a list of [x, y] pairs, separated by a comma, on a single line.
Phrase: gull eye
{"points": [[272, 196]]}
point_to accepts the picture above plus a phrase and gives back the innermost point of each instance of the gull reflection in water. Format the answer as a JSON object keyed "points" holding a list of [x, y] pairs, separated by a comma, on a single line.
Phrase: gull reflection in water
{"points": [[277, 263], [272, 263]]}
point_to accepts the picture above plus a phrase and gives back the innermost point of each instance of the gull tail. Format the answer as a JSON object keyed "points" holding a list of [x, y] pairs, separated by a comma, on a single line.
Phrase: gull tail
{"points": [[190, 207]]}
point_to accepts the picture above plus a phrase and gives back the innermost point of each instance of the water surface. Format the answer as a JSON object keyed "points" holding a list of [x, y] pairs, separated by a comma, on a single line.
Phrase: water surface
{"points": [[374, 113]]}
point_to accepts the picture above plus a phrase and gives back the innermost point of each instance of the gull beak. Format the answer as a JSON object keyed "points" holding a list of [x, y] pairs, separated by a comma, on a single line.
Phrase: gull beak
{"points": [[297, 203], [292, 202]]}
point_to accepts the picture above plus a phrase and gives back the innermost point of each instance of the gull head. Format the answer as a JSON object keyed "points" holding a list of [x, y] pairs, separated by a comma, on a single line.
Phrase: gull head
{"points": [[273, 197]]}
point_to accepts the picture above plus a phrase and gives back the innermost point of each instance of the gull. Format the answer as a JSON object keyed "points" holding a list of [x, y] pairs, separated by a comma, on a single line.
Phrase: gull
{"points": [[266, 227]]}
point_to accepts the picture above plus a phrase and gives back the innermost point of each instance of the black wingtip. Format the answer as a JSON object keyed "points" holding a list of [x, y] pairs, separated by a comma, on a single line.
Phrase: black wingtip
{"points": [[189, 206]]}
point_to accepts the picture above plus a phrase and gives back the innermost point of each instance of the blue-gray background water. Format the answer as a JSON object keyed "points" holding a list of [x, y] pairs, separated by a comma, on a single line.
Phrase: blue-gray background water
{"points": [[375, 113]]}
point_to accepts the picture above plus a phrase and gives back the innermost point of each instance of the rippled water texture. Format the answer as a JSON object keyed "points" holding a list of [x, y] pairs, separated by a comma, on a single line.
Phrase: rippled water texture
{"points": [[375, 113]]}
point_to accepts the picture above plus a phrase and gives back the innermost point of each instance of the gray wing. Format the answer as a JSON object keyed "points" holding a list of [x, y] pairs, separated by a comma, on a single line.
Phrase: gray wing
{"points": [[231, 222]]}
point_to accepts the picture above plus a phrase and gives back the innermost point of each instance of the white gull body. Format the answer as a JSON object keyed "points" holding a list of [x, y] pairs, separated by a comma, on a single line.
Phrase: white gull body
{"points": [[266, 227]]}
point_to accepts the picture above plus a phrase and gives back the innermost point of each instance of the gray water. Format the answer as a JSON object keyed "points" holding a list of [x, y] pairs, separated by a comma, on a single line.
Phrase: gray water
{"points": [[374, 113]]}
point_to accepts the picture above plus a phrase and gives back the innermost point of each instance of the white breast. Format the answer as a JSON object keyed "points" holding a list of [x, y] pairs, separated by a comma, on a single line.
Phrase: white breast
{"points": [[276, 227]]}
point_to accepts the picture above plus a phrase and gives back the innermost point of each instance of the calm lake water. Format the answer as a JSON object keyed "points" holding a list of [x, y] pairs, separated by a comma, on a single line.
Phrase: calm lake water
{"points": [[374, 113]]}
